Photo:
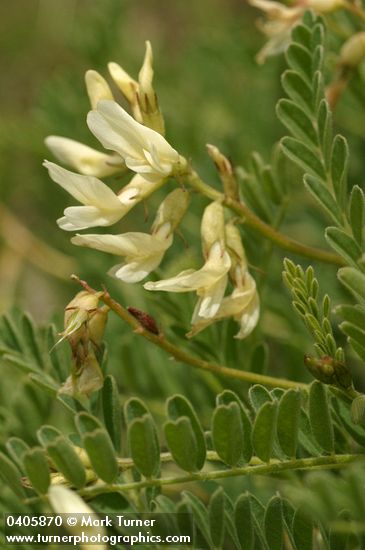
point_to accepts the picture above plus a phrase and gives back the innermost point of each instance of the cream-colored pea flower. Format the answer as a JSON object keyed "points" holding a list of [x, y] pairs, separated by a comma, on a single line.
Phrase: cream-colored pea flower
{"points": [[210, 281], [84, 159], [243, 303], [281, 19], [140, 94], [143, 150], [66, 501], [101, 206], [143, 252]]}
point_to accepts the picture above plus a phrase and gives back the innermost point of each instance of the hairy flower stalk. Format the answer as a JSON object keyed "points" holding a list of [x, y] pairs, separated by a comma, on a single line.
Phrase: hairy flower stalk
{"points": [[143, 252], [210, 281], [243, 303], [101, 206]]}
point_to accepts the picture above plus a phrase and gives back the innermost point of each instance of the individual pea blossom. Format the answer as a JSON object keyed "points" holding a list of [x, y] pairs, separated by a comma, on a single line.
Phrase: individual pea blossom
{"points": [[143, 252], [243, 303], [65, 501], [281, 19], [140, 94], [101, 206], [84, 159], [143, 150], [210, 281]]}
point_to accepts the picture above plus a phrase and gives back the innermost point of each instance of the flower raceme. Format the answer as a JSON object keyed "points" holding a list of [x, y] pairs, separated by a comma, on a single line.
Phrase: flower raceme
{"points": [[143, 252], [210, 281], [101, 206], [143, 150]]}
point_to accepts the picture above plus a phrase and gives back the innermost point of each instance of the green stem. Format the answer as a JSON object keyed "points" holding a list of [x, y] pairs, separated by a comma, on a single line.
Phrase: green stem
{"points": [[273, 467], [260, 226], [161, 341]]}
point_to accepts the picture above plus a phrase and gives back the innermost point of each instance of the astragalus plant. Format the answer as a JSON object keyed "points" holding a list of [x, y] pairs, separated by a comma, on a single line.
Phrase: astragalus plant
{"points": [[260, 461]]}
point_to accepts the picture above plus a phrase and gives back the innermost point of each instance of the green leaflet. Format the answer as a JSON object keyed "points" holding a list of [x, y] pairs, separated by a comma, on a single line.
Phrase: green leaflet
{"points": [[37, 470], [352, 279], [274, 524], [227, 397], [263, 432], [320, 417], [98, 446], [354, 332], [298, 90], [112, 411], [101, 452], [302, 530], [300, 60], [297, 122], [288, 421], [143, 444], [339, 160], [344, 244], [182, 443], [358, 410], [201, 519], [227, 433], [244, 522], [66, 460], [216, 518], [357, 214], [320, 192], [9, 473], [178, 406], [303, 156], [16, 448], [258, 395]]}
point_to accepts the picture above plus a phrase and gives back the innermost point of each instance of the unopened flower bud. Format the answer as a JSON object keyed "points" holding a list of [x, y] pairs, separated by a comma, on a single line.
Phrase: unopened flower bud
{"points": [[353, 51], [146, 95], [329, 371], [212, 227], [225, 171], [97, 88]]}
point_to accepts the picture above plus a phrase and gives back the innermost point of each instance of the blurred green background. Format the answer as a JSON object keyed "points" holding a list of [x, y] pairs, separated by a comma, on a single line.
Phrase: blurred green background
{"points": [[211, 91]]}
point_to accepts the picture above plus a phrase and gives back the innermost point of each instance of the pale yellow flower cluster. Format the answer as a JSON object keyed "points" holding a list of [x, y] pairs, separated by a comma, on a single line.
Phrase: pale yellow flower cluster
{"points": [[138, 144]]}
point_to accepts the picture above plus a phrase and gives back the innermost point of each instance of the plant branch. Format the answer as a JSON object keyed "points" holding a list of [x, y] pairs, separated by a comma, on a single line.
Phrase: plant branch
{"points": [[161, 341], [271, 468], [260, 226]]}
